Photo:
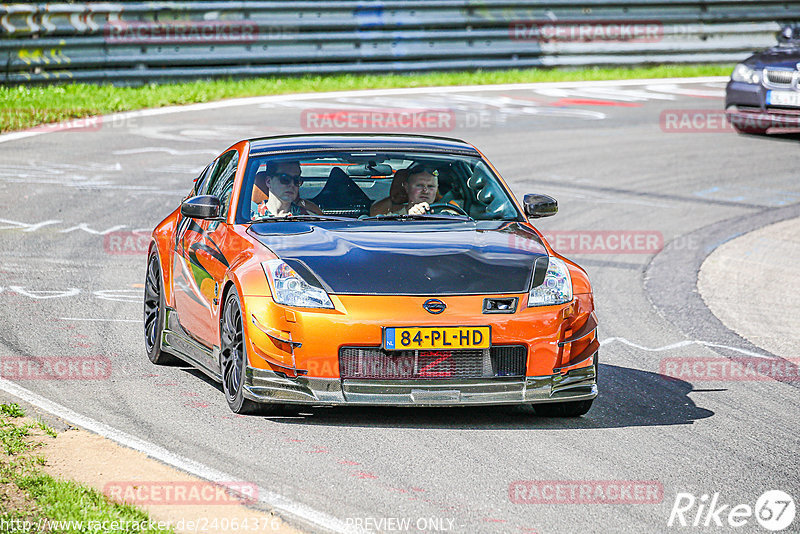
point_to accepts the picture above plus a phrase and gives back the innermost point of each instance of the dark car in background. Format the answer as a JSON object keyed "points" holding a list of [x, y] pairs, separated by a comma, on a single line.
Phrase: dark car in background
{"points": [[764, 89]]}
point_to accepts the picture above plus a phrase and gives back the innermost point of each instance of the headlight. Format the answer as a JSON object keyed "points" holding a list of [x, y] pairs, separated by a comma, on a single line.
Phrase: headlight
{"points": [[556, 288], [290, 289], [743, 73]]}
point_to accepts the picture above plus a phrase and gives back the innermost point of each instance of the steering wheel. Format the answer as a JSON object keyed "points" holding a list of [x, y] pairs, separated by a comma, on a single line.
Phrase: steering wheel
{"points": [[442, 207]]}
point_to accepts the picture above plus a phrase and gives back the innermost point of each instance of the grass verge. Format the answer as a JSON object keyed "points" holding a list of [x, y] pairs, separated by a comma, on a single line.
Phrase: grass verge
{"points": [[24, 107], [32, 501]]}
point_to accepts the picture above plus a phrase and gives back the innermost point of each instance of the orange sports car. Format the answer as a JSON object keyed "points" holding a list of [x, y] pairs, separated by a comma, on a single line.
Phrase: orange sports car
{"points": [[368, 270]]}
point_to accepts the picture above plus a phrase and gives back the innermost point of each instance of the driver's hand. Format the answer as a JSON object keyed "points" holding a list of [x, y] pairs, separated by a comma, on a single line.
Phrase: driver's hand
{"points": [[419, 209]]}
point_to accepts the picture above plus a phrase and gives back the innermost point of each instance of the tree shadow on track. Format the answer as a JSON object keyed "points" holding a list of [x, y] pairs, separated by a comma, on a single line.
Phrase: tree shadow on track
{"points": [[628, 398]]}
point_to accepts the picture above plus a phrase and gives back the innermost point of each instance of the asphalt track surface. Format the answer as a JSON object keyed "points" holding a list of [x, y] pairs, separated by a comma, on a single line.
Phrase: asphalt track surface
{"points": [[68, 289]]}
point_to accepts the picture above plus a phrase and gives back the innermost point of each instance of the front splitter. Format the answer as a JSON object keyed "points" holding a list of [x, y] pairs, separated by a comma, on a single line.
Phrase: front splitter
{"points": [[268, 387]]}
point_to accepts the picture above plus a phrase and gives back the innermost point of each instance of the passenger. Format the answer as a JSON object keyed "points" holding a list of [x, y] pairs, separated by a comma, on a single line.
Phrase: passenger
{"points": [[276, 192]]}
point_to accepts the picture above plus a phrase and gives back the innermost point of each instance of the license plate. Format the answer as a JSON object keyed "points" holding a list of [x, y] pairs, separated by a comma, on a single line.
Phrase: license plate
{"points": [[783, 98], [437, 337]]}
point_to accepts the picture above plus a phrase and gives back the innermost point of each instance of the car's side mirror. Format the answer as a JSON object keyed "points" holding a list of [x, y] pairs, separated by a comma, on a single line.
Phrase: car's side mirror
{"points": [[786, 34], [537, 206], [201, 207]]}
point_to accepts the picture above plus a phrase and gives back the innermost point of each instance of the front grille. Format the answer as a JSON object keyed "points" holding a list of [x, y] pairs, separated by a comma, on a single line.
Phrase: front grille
{"points": [[379, 364], [510, 360], [779, 78], [779, 111], [772, 110]]}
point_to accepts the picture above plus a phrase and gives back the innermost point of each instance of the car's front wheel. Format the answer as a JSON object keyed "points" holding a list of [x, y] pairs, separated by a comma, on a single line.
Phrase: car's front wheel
{"points": [[154, 313], [233, 360], [233, 356], [563, 409], [747, 126], [750, 130], [567, 409]]}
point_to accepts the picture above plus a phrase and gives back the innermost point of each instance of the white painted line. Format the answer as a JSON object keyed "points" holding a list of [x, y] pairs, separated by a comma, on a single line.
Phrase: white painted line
{"points": [[684, 343], [674, 89], [100, 320], [170, 151], [48, 294], [13, 136], [277, 502], [256, 100]]}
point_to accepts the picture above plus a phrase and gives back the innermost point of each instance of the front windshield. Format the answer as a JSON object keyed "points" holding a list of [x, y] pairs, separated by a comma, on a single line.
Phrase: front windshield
{"points": [[375, 186]]}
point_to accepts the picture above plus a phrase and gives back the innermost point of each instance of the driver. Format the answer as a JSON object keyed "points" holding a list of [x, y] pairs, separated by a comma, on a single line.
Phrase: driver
{"points": [[421, 187], [280, 182]]}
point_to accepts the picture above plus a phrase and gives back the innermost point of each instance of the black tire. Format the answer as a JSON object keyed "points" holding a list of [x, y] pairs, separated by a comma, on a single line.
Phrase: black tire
{"points": [[233, 361], [233, 356], [568, 409], [154, 313], [749, 130], [745, 125], [563, 409]]}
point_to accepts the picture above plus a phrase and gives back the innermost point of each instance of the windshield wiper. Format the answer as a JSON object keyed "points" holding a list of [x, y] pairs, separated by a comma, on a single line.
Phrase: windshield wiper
{"points": [[309, 217], [427, 216]]}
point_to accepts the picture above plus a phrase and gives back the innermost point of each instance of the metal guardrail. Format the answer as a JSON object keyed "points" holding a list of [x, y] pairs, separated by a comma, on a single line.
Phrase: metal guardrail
{"points": [[135, 42]]}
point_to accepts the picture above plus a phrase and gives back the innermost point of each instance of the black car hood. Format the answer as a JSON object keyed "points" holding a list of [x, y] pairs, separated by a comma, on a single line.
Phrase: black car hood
{"points": [[784, 56], [409, 257]]}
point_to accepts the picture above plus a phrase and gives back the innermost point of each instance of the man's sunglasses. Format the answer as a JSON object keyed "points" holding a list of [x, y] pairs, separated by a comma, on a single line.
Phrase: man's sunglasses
{"points": [[286, 179]]}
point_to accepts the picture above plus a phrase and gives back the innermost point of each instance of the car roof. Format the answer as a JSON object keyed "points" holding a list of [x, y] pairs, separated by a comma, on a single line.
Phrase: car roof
{"points": [[358, 142]]}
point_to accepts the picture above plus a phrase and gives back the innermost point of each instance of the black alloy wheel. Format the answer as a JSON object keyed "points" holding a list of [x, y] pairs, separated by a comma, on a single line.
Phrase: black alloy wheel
{"points": [[154, 313], [233, 356]]}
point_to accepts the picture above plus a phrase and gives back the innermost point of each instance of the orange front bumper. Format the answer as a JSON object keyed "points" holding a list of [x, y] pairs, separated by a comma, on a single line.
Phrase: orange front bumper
{"points": [[293, 353]]}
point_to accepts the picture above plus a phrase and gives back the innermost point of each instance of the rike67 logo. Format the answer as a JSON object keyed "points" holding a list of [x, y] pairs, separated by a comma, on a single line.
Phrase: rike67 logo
{"points": [[774, 510]]}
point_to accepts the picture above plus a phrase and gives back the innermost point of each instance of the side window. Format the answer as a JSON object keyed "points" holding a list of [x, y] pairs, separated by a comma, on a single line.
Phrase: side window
{"points": [[225, 196], [221, 182], [200, 181], [224, 169]]}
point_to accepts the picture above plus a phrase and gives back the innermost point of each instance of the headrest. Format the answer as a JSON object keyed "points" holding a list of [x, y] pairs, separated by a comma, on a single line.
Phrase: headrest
{"points": [[338, 177], [261, 180], [397, 192]]}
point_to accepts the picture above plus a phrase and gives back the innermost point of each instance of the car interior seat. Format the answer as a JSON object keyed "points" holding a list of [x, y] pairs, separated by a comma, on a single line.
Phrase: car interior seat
{"points": [[342, 196], [397, 196], [258, 195]]}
